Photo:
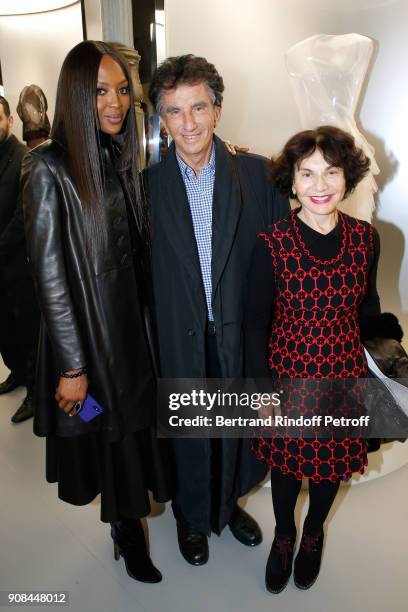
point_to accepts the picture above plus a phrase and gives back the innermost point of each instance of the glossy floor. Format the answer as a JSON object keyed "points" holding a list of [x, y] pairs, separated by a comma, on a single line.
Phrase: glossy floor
{"points": [[50, 546]]}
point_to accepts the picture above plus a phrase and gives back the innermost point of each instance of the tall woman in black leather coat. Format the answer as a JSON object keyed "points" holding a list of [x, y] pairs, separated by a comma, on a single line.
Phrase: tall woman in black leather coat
{"points": [[88, 242]]}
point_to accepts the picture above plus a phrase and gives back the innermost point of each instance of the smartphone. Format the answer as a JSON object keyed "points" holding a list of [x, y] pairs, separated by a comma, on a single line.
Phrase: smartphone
{"points": [[89, 410]]}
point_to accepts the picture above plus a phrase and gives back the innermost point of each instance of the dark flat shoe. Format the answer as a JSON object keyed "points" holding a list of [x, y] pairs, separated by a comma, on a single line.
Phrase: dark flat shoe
{"points": [[193, 544], [24, 412], [10, 384], [279, 564], [245, 528], [308, 560]]}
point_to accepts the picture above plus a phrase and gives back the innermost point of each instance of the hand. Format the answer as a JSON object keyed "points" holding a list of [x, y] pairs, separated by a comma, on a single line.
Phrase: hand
{"points": [[234, 149], [269, 408], [71, 390]]}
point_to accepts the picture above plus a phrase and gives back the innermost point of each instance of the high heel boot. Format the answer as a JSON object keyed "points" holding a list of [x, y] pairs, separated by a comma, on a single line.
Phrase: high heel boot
{"points": [[129, 542]]}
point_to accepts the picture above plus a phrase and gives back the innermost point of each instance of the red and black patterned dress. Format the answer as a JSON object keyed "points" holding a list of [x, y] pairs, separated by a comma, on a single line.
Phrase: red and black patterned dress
{"points": [[307, 292]]}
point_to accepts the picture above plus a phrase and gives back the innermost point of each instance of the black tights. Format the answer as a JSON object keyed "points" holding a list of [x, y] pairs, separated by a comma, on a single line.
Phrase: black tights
{"points": [[285, 491]]}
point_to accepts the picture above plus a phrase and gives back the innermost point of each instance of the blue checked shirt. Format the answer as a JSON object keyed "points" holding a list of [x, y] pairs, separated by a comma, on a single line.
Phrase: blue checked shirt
{"points": [[200, 197]]}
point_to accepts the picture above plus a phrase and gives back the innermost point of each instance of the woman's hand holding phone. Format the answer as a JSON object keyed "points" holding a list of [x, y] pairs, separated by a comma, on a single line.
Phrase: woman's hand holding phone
{"points": [[71, 390]]}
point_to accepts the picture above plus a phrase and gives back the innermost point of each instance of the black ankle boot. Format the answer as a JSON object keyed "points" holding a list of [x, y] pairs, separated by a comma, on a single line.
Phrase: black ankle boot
{"points": [[308, 559], [129, 542], [279, 564]]}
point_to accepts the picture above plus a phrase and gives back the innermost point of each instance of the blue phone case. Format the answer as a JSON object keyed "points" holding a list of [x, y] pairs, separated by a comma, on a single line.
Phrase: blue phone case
{"points": [[90, 409]]}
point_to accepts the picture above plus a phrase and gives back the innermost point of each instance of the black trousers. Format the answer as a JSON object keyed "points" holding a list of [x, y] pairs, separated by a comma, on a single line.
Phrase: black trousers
{"points": [[19, 328], [199, 467]]}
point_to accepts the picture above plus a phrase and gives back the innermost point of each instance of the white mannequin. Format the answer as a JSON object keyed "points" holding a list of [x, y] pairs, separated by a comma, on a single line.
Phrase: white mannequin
{"points": [[327, 73]]}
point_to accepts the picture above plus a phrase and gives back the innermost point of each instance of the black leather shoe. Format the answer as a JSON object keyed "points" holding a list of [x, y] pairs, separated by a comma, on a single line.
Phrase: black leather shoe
{"points": [[308, 560], [244, 528], [9, 384], [129, 542], [279, 564], [26, 411], [193, 544]]}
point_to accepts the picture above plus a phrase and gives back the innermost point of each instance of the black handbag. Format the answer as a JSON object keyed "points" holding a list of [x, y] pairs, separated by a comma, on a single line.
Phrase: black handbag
{"points": [[388, 397]]}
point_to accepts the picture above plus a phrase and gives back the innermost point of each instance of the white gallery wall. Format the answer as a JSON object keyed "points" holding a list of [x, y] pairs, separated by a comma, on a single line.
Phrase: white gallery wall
{"points": [[32, 49], [247, 40]]}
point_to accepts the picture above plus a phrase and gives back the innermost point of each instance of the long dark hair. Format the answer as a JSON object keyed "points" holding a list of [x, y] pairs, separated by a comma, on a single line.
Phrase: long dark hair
{"points": [[76, 128]]}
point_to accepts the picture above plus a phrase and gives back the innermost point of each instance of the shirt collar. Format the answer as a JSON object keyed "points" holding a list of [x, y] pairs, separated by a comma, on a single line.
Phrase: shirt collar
{"points": [[188, 172]]}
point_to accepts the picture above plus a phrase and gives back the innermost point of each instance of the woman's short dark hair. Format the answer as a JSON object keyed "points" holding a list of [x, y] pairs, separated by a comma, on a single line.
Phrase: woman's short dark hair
{"points": [[337, 147], [76, 128], [185, 70]]}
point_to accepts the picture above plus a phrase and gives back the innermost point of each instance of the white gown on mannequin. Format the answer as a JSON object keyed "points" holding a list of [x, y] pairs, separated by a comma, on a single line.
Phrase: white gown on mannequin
{"points": [[327, 73]]}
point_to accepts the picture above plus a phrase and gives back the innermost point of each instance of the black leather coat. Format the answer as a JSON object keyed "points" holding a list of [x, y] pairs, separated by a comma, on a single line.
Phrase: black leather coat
{"points": [[92, 308]]}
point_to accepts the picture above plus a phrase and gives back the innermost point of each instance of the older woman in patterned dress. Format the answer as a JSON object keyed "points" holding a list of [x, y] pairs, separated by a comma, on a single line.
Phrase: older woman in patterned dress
{"points": [[313, 277]]}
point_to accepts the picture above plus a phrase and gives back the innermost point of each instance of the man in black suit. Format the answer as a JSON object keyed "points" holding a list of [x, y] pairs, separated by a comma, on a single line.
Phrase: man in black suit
{"points": [[19, 315], [207, 209]]}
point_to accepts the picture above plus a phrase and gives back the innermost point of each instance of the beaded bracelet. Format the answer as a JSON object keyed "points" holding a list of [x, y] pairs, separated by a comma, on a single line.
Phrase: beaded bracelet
{"points": [[75, 375]]}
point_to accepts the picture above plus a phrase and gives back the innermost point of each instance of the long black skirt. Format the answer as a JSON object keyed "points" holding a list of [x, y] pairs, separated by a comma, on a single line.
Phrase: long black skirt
{"points": [[122, 472]]}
